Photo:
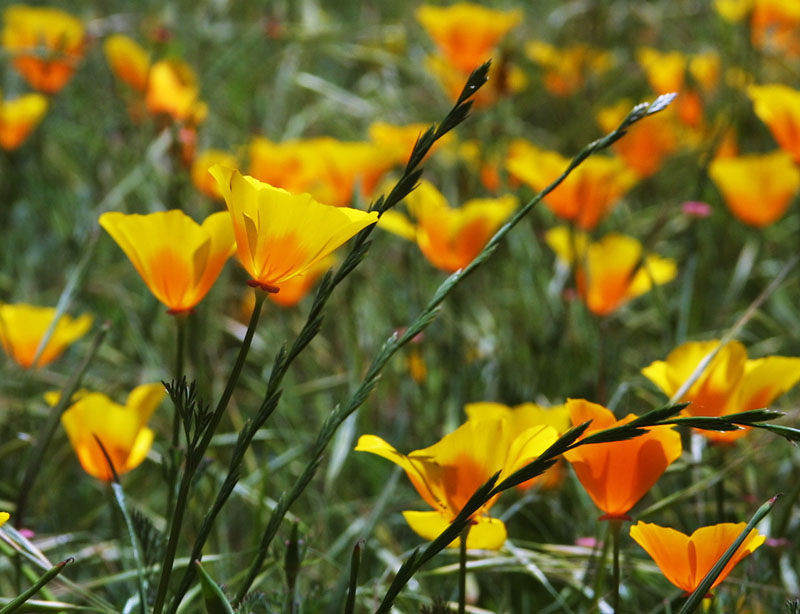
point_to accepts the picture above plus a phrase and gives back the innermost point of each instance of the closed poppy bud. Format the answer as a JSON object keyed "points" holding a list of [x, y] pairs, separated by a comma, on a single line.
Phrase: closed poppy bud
{"points": [[19, 117], [177, 258], [619, 473], [23, 327], [686, 559], [122, 430]]}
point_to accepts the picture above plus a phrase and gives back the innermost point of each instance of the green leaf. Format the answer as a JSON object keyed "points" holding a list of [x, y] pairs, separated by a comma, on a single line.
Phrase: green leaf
{"points": [[215, 600], [51, 573]]}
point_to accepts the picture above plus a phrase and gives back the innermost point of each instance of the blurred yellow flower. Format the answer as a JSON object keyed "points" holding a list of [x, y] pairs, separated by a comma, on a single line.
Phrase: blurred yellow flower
{"points": [[665, 70], [45, 45], [733, 10], [4, 516], [128, 61], [177, 258], [280, 235], [172, 89], [19, 117], [731, 383], [121, 429], [646, 143], [616, 475], [523, 417], [686, 559], [586, 196], [23, 326], [778, 106], [611, 271], [757, 188], [202, 179], [396, 142], [465, 33], [448, 237], [705, 69], [505, 78], [566, 70], [447, 473]]}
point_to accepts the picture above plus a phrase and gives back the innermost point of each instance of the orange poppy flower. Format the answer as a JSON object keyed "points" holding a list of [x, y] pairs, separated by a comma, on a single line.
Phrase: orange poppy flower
{"points": [[202, 179], [775, 26], [449, 238], [177, 258], [757, 188], [281, 235], [121, 429], [646, 143], [686, 559], [128, 61], [19, 117], [778, 106], [22, 328], [447, 473], [45, 45], [566, 70], [586, 196], [611, 271], [617, 474], [731, 383], [523, 417], [465, 33]]}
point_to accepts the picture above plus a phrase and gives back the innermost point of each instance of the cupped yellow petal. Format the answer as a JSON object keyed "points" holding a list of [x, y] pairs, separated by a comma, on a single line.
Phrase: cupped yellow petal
{"points": [[569, 245], [144, 399], [139, 450], [128, 60], [669, 550], [4, 516], [486, 533], [280, 235], [19, 117], [764, 380], [23, 327], [201, 178], [177, 258]]}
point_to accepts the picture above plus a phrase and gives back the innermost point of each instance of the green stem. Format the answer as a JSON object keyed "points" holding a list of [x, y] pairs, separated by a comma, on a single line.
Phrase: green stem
{"points": [[462, 571], [195, 455], [50, 426], [119, 496], [172, 475], [616, 526], [15, 604]]}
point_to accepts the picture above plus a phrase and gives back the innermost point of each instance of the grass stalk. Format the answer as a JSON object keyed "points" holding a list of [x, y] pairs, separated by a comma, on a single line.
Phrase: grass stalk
{"points": [[462, 571]]}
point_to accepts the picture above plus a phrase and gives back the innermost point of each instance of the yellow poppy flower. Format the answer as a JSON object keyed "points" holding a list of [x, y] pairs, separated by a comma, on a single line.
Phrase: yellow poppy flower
{"points": [[664, 69], [733, 10], [396, 142], [611, 271], [586, 196], [616, 475], [22, 328], [646, 143], [121, 429], [447, 473], [566, 70], [45, 45], [731, 383], [177, 258], [172, 89], [128, 61], [449, 238], [757, 188], [4, 516], [281, 235], [466, 33], [522, 417], [778, 106], [686, 559], [202, 179], [19, 117]]}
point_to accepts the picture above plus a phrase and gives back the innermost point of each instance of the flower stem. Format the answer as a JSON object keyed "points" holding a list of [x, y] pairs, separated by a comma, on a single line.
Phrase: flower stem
{"points": [[462, 572], [180, 342], [196, 454], [616, 526]]}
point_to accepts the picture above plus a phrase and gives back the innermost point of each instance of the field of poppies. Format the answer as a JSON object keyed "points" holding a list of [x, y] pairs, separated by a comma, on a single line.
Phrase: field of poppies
{"points": [[344, 307]]}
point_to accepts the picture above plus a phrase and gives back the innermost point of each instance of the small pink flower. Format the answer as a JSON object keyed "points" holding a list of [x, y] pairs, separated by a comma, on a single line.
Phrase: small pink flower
{"points": [[587, 542], [696, 208]]}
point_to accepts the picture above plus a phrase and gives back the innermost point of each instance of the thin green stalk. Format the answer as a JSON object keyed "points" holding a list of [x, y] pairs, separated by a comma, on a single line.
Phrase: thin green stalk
{"points": [[50, 426], [119, 496], [615, 525], [355, 562], [462, 571], [172, 476], [15, 604], [195, 455], [429, 313]]}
